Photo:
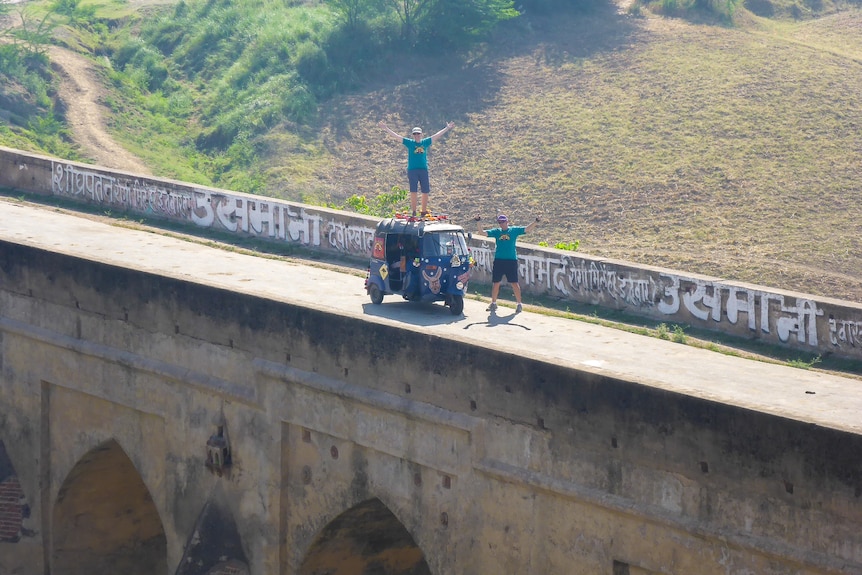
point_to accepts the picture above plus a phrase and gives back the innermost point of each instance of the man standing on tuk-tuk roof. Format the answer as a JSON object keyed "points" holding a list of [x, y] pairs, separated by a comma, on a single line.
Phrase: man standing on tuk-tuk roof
{"points": [[417, 161], [505, 256]]}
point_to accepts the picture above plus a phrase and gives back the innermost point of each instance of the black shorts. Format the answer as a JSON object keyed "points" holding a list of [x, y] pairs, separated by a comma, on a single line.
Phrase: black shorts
{"points": [[507, 268], [418, 180]]}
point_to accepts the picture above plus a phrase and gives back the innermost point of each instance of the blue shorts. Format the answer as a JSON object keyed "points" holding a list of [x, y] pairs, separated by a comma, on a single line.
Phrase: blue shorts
{"points": [[418, 177], [507, 268]]}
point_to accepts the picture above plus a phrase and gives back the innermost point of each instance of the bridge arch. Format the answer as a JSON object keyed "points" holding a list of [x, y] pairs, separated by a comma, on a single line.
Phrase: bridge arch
{"points": [[104, 519], [367, 539], [214, 547]]}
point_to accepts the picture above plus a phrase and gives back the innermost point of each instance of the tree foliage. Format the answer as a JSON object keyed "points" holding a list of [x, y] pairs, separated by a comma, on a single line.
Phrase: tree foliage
{"points": [[424, 23], [31, 120], [722, 10], [355, 11], [558, 6], [34, 33], [458, 23]]}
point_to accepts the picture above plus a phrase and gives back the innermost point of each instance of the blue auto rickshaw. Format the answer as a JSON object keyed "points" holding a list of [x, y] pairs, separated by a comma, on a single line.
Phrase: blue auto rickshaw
{"points": [[421, 259]]}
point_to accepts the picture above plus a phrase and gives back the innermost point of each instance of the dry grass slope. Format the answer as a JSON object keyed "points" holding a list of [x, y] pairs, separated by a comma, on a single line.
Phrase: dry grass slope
{"points": [[729, 152]]}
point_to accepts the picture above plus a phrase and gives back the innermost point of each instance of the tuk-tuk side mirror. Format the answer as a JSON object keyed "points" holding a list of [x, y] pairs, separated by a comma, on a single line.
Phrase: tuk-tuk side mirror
{"points": [[469, 235]]}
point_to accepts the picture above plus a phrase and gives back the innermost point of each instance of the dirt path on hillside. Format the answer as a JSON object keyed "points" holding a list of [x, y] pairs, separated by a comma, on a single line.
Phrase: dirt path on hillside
{"points": [[82, 93]]}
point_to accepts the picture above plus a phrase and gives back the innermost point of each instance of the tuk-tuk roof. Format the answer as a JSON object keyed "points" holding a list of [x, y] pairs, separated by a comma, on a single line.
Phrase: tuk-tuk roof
{"points": [[407, 227]]}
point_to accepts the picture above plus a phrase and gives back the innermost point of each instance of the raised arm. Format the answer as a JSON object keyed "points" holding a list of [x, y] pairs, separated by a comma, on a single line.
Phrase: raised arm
{"points": [[532, 225], [386, 129], [448, 127], [479, 229]]}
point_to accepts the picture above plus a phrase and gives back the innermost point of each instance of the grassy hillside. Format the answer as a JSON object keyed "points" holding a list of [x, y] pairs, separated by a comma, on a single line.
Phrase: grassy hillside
{"points": [[735, 152]]}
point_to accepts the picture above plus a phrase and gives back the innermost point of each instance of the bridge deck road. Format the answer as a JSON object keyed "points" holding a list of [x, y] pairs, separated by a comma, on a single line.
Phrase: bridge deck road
{"points": [[820, 398]]}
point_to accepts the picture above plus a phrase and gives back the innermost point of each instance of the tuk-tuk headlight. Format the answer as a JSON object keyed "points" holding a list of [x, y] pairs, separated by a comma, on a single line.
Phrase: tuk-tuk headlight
{"points": [[459, 285]]}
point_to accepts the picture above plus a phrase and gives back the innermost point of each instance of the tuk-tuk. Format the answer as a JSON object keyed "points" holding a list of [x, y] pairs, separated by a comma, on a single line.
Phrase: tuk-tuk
{"points": [[421, 259]]}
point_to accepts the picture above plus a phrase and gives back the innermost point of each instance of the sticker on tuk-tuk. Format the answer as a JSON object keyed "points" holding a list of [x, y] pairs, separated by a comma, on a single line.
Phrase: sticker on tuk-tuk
{"points": [[384, 271], [378, 252], [433, 279]]}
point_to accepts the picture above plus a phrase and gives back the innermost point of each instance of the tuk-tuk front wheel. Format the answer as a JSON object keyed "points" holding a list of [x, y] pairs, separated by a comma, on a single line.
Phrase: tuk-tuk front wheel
{"points": [[375, 294], [456, 304]]}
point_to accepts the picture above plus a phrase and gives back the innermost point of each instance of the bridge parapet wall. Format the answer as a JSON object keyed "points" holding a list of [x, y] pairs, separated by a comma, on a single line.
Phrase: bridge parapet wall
{"points": [[804, 322]]}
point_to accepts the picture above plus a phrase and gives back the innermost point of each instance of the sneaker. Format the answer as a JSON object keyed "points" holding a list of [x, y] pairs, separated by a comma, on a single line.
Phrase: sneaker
{"points": [[519, 309], [492, 307]]}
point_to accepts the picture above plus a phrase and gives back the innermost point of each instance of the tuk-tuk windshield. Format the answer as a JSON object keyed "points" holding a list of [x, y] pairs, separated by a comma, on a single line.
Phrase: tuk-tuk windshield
{"points": [[449, 243]]}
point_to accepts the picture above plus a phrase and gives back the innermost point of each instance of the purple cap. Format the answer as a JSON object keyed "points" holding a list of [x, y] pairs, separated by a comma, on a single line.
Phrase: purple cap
{"points": [[502, 218]]}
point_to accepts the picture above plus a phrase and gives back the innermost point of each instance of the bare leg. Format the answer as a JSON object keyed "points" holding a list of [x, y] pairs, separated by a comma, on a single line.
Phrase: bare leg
{"points": [[413, 202], [517, 289], [495, 291], [424, 203]]}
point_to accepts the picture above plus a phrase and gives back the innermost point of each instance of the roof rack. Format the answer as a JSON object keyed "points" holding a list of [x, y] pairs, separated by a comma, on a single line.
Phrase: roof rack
{"points": [[423, 218]]}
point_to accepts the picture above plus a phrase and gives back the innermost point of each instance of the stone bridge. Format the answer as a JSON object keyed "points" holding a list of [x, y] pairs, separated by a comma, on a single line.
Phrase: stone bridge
{"points": [[170, 407]]}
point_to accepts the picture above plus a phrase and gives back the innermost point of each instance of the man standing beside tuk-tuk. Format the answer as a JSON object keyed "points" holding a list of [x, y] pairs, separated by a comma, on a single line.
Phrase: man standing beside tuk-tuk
{"points": [[417, 161], [505, 256]]}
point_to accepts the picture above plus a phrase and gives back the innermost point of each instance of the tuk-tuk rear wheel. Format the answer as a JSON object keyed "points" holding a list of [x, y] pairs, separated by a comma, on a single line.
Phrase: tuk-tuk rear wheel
{"points": [[456, 304], [375, 294]]}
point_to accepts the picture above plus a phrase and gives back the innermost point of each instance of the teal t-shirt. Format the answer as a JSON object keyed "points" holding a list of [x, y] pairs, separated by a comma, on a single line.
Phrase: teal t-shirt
{"points": [[506, 241], [417, 152]]}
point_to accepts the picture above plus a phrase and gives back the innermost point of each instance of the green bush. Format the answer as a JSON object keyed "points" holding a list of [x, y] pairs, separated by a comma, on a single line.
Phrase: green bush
{"points": [[460, 23], [74, 11], [531, 7], [662, 331], [313, 66], [143, 63], [569, 246], [34, 123], [804, 364], [722, 10], [384, 205], [674, 333]]}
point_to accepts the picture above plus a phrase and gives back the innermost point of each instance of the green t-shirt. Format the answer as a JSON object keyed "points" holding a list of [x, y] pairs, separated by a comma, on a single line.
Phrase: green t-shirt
{"points": [[417, 152], [506, 241]]}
